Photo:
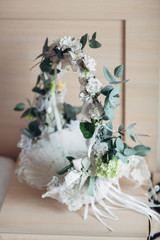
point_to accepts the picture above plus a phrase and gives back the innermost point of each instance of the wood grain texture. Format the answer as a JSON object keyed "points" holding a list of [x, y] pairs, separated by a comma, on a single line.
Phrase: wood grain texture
{"points": [[5, 236], [21, 41], [37, 216], [24, 26]]}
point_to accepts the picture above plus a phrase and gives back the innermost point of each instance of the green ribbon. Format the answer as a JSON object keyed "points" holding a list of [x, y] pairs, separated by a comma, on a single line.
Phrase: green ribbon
{"points": [[91, 186]]}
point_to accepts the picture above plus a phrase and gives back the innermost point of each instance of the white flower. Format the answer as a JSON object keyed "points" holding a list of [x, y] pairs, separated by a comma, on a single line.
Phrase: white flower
{"points": [[84, 96], [86, 74], [65, 42], [41, 103], [25, 142], [100, 148], [95, 111], [93, 86], [89, 63]]}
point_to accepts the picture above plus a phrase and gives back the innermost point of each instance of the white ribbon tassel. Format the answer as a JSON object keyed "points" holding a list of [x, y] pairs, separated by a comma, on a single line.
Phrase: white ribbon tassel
{"points": [[119, 200]]}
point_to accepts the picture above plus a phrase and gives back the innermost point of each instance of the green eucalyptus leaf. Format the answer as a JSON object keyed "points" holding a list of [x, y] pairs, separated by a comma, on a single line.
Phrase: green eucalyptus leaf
{"points": [[45, 65], [40, 55], [120, 127], [118, 71], [38, 80], [94, 44], [141, 150], [131, 126], [131, 135], [34, 128], [70, 112], [26, 113], [47, 83], [65, 169], [27, 133], [87, 129], [69, 158], [45, 47], [106, 90], [109, 113], [108, 75], [121, 133], [142, 135], [94, 35], [121, 157], [40, 91], [83, 40], [119, 145], [118, 82], [129, 152], [110, 126], [114, 93], [19, 107]]}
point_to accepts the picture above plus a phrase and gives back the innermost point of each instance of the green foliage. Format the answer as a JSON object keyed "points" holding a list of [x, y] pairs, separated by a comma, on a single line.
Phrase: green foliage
{"points": [[93, 43], [83, 40], [87, 129], [106, 90], [118, 71], [40, 91], [70, 112], [45, 47], [70, 159], [108, 75], [141, 150], [33, 111], [34, 128], [130, 133], [19, 107], [27, 133], [65, 169], [45, 65], [129, 152], [120, 127], [119, 145], [121, 157]]}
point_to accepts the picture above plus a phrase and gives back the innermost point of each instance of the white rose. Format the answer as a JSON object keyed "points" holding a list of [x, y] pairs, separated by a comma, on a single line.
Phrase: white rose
{"points": [[96, 111], [93, 86], [84, 96], [92, 110], [89, 63], [100, 148]]}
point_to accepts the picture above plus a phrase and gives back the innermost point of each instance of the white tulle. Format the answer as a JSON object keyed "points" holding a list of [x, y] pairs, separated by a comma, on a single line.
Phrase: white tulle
{"points": [[39, 162]]}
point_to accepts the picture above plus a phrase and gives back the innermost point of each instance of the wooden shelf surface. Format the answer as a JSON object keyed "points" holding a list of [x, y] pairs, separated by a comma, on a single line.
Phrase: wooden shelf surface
{"points": [[25, 215]]}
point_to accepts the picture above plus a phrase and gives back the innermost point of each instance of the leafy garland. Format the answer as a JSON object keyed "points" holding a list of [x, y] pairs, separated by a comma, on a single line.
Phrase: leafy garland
{"points": [[108, 151]]}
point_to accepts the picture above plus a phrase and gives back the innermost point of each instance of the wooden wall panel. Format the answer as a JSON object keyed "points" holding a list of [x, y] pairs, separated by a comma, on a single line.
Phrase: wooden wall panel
{"points": [[21, 41], [23, 28]]}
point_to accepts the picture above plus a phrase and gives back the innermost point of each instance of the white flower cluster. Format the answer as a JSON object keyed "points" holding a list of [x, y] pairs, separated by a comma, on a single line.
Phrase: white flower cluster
{"points": [[85, 65], [100, 148]]}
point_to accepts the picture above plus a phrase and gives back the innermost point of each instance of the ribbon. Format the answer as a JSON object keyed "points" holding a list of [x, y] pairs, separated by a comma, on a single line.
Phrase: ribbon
{"points": [[81, 166]]}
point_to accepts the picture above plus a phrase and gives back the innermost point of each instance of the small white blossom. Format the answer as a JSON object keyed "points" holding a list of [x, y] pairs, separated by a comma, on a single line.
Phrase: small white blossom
{"points": [[89, 63], [65, 42], [100, 148], [93, 86], [41, 103], [84, 96], [25, 142], [96, 111]]}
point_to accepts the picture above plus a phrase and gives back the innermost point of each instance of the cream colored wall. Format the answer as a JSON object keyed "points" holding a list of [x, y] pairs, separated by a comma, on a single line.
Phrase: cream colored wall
{"points": [[129, 32]]}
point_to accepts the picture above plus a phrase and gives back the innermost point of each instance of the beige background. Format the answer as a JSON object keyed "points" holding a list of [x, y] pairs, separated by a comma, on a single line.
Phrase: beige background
{"points": [[129, 31]]}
